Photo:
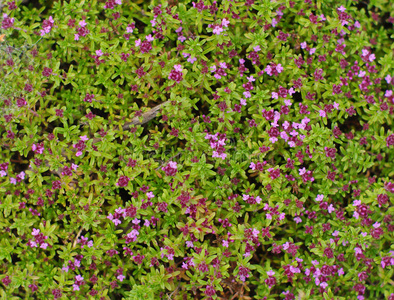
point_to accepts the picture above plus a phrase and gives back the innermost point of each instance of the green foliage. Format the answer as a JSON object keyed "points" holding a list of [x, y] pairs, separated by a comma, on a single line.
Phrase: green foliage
{"points": [[199, 150]]}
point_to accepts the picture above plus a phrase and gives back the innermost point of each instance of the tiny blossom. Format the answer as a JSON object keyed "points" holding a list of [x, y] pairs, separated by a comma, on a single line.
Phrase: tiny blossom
{"points": [[47, 26], [176, 74], [38, 148], [121, 277], [192, 60], [217, 30], [7, 22], [170, 169]]}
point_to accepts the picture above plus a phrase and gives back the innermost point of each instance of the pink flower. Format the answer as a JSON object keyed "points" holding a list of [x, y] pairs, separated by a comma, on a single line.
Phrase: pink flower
{"points": [[178, 68], [284, 135], [247, 94], [129, 29], [268, 70], [324, 285], [192, 60], [302, 171], [173, 164], [121, 277], [217, 30], [47, 26], [38, 148], [270, 273], [176, 74], [225, 23], [7, 22], [376, 225], [297, 220]]}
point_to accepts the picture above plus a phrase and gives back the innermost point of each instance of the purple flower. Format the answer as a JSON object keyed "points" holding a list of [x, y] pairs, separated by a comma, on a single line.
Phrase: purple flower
{"points": [[7, 22], [123, 181]]}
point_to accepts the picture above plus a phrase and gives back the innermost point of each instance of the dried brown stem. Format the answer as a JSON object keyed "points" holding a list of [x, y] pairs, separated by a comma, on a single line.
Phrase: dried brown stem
{"points": [[77, 237], [147, 116]]}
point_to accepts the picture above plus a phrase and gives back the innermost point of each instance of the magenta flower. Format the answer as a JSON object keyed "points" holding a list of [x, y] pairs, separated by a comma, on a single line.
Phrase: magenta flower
{"points": [[123, 181], [217, 30], [38, 148], [47, 26], [176, 74], [7, 22], [46, 72]]}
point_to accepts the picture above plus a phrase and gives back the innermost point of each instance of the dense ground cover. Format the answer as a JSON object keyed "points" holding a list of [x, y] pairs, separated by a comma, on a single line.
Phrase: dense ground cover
{"points": [[197, 150]]}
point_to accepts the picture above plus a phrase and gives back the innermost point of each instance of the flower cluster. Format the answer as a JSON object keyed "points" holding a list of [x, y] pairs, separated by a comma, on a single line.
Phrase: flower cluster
{"points": [[39, 240], [171, 168]]}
